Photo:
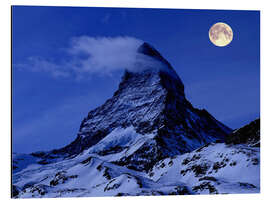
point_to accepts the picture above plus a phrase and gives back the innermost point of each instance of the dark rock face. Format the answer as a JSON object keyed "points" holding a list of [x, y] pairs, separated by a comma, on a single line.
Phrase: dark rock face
{"points": [[249, 134], [61, 178], [151, 100], [14, 191]]}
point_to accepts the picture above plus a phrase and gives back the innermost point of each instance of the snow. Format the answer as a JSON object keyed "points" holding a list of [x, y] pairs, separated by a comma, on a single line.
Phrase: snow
{"points": [[23, 161], [85, 175], [229, 178], [126, 138]]}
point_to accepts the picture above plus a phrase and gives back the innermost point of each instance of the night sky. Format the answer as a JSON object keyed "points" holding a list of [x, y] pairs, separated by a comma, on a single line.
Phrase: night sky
{"points": [[48, 108]]}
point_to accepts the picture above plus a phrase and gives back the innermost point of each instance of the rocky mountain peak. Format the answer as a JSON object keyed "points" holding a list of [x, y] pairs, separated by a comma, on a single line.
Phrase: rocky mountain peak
{"points": [[149, 50], [151, 103], [150, 64]]}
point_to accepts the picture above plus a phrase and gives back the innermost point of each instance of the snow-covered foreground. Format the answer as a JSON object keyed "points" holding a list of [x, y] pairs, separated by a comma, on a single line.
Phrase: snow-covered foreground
{"points": [[213, 169]]}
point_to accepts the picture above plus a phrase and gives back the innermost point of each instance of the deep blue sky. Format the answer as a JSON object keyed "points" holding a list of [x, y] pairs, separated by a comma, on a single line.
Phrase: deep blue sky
{"points": [[47, 110]]}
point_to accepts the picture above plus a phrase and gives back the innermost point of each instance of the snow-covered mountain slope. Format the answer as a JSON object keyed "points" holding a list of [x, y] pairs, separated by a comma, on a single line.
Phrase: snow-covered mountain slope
{"points": [[215, 168], [150, 100], [86, 175]]}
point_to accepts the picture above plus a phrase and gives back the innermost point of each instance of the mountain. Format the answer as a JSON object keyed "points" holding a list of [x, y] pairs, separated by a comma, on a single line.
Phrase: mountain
{"points": [[249, 134], [215, 168], [151, 102], [147, 139]]}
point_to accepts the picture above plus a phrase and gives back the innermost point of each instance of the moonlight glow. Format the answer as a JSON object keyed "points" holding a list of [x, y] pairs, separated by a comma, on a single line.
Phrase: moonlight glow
{"points": [[221, 34]]}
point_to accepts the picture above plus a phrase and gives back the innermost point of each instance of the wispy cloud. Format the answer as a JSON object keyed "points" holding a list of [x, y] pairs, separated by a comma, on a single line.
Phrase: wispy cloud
{"points": [[37, 64], [88, 55], [104, 55]]}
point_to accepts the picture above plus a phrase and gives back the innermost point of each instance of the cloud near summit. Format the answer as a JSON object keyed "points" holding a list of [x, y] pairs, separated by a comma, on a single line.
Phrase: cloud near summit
{"points": [[88, 55]]}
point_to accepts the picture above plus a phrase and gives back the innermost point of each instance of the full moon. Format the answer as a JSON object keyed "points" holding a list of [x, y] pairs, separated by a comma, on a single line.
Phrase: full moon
{"points": [[221, 34]]}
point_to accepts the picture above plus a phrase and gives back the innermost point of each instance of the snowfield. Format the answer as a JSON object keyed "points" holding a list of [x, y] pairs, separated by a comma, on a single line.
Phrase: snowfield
{"points": [[216, 168]]}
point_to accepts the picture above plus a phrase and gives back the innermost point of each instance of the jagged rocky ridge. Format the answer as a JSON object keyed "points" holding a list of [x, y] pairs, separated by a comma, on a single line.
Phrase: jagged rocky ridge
{"points": [[152, 101], [145, 140], [249, 134]]}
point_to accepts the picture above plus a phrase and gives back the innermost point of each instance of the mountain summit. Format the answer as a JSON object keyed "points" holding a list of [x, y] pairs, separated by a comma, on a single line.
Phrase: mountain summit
{"points": [[151, 105]]}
